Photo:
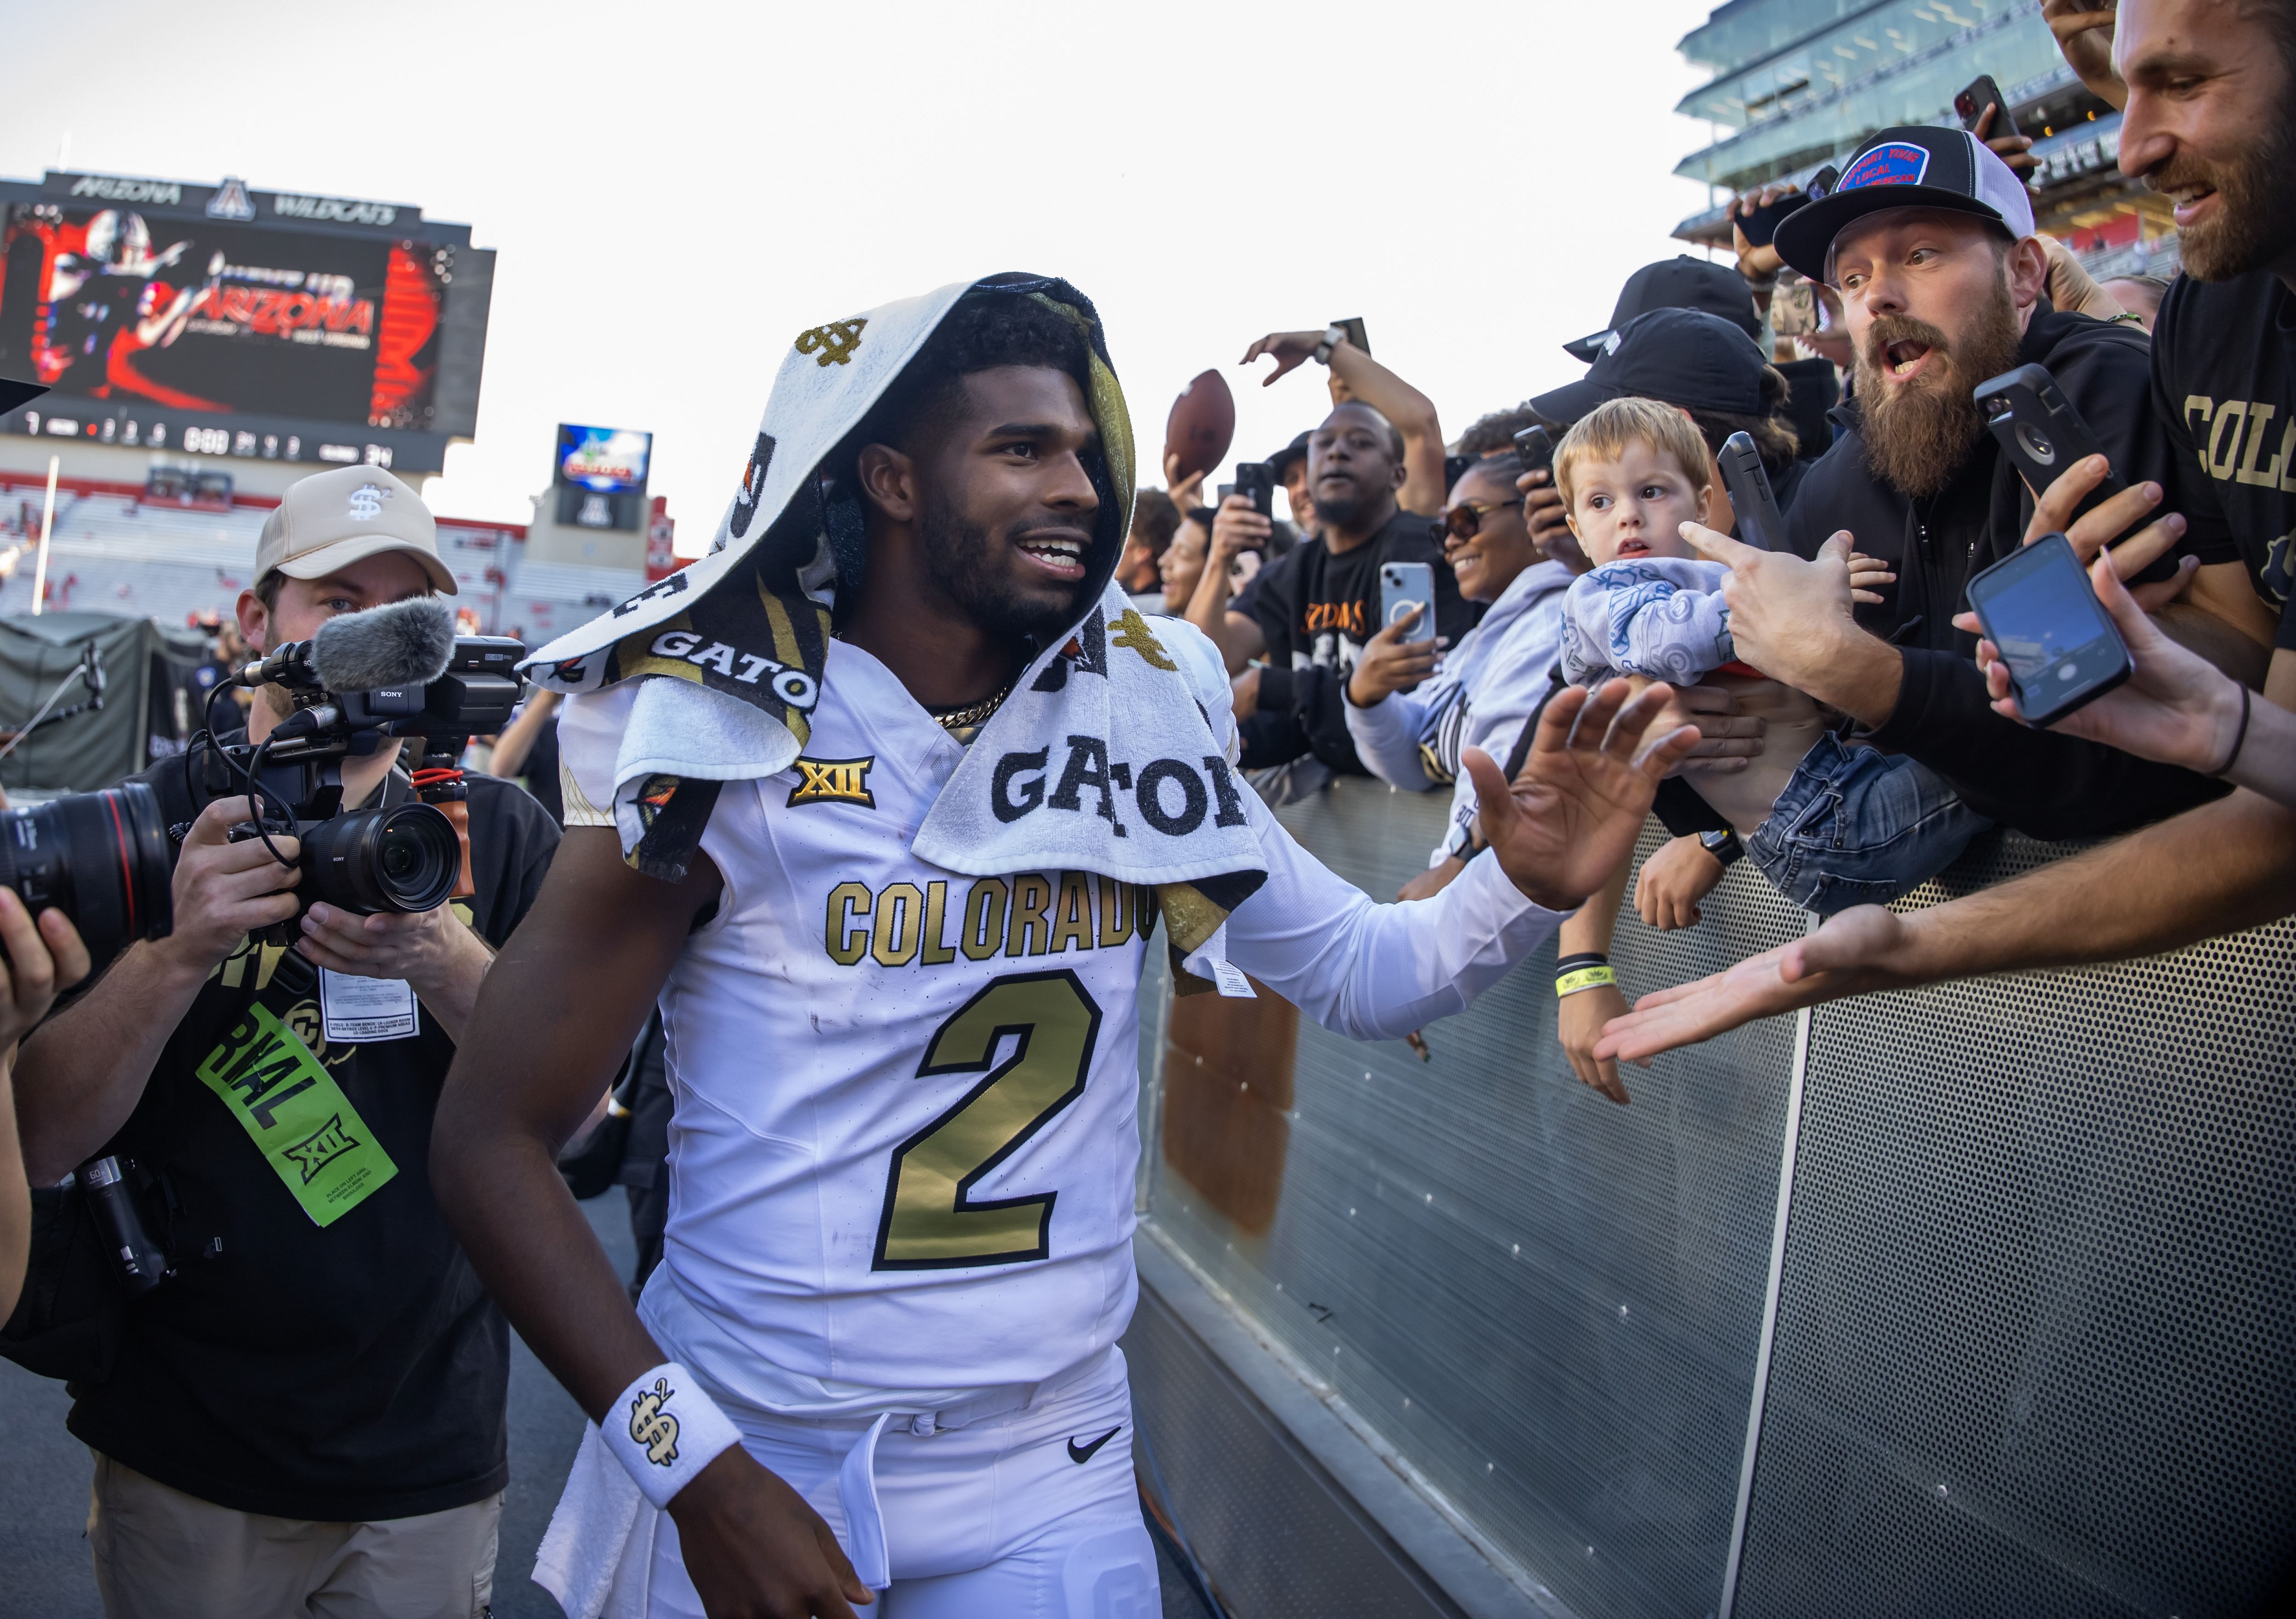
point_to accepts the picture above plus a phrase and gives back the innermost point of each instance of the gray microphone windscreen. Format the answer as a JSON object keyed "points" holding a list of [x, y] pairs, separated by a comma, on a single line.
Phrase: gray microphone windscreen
{"points": [[407, 644]]}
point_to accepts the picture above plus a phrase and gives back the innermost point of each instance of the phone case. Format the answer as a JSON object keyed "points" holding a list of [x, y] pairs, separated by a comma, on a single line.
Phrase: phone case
{"points": [[2024, 602], [1403, 584], [1536, 447], [2039, 431], [1759, 525]]}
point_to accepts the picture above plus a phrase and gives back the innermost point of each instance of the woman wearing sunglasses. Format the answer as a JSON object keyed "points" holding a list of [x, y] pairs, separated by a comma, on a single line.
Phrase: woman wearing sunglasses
{"points": [[1412, 704]]}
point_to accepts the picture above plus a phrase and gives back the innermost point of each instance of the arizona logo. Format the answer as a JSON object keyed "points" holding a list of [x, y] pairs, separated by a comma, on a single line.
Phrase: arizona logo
{"points": [[834, 781]]}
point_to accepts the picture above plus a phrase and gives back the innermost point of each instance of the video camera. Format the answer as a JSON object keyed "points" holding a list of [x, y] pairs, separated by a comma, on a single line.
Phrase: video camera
{"points": [[363, 683]]}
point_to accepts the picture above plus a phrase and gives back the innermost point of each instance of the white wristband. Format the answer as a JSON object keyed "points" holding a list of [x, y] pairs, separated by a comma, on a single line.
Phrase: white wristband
{"points": [[665, 1429]]}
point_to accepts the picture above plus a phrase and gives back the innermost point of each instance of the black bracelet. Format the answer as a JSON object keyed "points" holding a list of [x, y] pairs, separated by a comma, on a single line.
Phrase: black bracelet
{"points": [[2239, 737], [1587, 957]]}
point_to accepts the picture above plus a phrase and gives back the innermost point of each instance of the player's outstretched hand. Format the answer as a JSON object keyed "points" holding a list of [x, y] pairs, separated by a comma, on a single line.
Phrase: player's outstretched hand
{"points": [[754, 1550], [1857, 951], [1571, 817]]}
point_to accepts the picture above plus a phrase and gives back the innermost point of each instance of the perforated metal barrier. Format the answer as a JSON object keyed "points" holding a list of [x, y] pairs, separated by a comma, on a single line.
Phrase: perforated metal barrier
{"points": [[2034, 1345]]}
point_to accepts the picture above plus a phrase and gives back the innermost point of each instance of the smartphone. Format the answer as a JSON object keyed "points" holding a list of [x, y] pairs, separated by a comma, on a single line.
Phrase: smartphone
{"points": [[2039, 431], [1970, 106], [2061, 648], [1256, 480], [1750, 498], [1354, 328], [1760, 225], [1455, 468], [1536, 446], [1402, 586]]}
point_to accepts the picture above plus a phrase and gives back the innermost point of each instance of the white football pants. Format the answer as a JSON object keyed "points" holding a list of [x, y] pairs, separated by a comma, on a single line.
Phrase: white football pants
{"points": [[1033, 1511]]}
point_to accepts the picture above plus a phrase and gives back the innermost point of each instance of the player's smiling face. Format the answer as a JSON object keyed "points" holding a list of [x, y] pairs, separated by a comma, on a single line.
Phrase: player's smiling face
{"points": [[1007, 507]]}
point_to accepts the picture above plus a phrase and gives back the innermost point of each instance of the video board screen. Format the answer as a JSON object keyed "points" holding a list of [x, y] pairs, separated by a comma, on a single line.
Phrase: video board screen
{"points": [[221, 318], [604, 460]]}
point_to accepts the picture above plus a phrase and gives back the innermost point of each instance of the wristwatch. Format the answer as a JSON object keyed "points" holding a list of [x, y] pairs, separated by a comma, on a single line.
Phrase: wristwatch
{"points": [[1724, 846], [1333, 336]]}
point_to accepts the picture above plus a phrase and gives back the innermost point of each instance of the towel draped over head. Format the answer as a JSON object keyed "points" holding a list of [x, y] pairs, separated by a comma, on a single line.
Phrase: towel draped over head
{"points": [[731, 652]]}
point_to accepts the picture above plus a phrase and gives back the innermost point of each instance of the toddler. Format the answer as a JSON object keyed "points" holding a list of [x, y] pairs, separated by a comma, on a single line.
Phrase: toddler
{"points": [[1831, 824]]}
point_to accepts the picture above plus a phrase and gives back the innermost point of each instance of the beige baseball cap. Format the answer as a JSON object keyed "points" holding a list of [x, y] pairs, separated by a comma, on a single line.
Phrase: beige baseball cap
{"points": [[330, 519]]}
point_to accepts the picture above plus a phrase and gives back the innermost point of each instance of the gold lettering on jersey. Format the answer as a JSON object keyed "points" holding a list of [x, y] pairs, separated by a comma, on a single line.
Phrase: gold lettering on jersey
{"points": [[1071, 915], [900, 923], [847, 903], [2238, 435], [1031, 914], [936, 951], [2260, 429], [1030, 929], [985, 904], [833, 782], [1116, 900], [2232, 414]]}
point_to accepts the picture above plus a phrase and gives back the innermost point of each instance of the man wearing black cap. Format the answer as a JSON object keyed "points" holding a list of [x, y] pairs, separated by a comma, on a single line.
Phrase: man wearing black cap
{"points": [[1928, 239], [1705, 366], [1680, 282]]}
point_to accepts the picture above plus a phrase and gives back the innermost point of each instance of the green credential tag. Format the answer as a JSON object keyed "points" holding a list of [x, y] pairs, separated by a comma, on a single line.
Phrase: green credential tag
{"points": [[297, 1115]]}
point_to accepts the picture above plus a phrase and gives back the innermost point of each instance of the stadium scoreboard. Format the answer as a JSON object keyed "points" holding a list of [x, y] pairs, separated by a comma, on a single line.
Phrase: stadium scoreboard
{"points": [[223, 321]]}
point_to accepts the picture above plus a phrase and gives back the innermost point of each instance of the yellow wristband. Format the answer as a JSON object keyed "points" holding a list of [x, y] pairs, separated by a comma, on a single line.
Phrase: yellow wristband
{"points": [[1585, 977]]}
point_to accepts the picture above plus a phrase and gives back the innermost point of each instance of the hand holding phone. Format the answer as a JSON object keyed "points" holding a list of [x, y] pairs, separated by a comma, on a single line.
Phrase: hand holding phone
{"points": [[1752, 501], [1402, 586], [1534, 446], [2039, 607], [1759, 226], [1969, 106], [2039, 431], [1256, 481]]}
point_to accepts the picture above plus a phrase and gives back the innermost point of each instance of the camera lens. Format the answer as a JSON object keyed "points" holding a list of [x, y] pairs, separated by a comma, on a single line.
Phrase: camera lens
{"points": [[101, 858], [405, 858]]}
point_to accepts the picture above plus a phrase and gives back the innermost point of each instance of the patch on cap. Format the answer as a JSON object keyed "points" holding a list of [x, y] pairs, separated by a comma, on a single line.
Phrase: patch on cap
{"points": [[1894, 163]]}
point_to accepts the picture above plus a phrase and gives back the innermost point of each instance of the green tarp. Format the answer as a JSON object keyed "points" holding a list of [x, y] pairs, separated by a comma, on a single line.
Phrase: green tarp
{"points": [[143, 718]]}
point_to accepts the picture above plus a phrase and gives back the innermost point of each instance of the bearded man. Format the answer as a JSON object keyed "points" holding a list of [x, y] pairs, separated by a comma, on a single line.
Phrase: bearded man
{"points": [[1928, 240]]}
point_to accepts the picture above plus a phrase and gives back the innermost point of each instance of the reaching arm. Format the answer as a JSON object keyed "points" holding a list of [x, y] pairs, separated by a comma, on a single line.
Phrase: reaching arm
{"points": [[566, 998], [517, 741], [42, 957], [1556, 832], [1579, 1016], [1357, 376], [2215, 870]]}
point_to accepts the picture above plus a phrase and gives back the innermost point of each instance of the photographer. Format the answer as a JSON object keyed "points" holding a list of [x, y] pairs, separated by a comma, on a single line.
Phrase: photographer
{"points": [[309, 1415]]}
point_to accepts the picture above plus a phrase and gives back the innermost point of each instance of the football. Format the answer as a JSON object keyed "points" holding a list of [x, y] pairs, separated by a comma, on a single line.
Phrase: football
{"points": [[1202, 425]]}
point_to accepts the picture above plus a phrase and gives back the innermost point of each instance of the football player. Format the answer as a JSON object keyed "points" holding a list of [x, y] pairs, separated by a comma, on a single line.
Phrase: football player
{"points": [[879, 1350]]}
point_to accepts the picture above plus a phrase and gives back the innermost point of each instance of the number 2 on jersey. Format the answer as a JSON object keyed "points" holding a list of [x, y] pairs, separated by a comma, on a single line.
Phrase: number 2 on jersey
{"points": [[931, 1221]]}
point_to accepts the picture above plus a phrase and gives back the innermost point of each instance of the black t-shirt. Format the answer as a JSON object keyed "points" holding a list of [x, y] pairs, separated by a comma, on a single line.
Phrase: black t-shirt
{"points": [[1316, 610], [2221, 382], [347, 1373]]}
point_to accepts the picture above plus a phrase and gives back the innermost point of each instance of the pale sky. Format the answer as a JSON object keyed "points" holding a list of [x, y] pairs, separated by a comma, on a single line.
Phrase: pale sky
{"points": [[677, 190]]}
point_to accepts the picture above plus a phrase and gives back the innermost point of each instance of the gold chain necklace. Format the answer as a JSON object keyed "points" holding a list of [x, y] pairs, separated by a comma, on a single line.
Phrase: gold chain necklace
{"points": [[976, 714]]}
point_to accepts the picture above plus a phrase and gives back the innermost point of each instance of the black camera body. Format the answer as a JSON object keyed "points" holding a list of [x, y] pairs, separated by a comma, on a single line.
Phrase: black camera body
{"points": [[407, 857]]}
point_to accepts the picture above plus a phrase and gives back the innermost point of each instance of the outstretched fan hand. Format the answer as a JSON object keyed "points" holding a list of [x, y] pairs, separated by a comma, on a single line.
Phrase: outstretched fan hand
{"points": [[1855, 951], [1571, 816]]}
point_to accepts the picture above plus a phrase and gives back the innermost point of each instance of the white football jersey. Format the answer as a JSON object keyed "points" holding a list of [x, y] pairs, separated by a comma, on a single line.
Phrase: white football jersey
{"points": [[905, 1131]]}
